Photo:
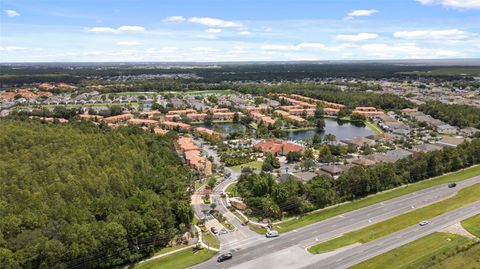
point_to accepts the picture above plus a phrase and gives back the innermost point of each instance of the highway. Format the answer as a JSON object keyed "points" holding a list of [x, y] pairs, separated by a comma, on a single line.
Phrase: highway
{"points": [[269, 253], [369, 250]]}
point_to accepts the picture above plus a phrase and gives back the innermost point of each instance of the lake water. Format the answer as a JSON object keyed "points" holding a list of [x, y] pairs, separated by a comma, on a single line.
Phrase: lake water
{"points": [[340, 130]]}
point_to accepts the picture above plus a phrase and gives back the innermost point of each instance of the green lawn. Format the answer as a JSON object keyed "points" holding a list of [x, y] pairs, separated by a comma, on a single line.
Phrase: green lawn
{"points": [[377, 198], [469, 258], [232, 189], [206, 92], [374, 127], [422, 253], [179, 260], [375, 231], [168, 249], [210, 239], [472, 225], [256, 165]]}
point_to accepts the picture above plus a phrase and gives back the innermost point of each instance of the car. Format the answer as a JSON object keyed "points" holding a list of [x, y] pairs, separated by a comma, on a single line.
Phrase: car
{"points": [[423, 222], [452, 185], [224, 257], [223, 231], [271, 234], [213, 230]]}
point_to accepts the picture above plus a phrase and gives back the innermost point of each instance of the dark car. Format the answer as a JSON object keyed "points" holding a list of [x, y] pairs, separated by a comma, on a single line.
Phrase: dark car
{"points": [[214, 230], [452, 185], [224, 257]]}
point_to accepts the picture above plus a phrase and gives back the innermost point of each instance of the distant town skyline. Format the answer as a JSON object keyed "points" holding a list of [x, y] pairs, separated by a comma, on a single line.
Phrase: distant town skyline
{"points": [[206, 31]]}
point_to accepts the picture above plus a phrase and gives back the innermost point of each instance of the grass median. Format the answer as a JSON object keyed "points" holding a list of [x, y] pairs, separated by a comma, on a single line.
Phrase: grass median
{"points": [[472, 225], [376, 198], [178, 260], [437, 250], [375, 231]]}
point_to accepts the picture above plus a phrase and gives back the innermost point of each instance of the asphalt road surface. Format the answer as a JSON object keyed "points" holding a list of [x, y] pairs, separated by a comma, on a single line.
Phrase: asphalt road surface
{"points": [[369, 250], [255, 253]]}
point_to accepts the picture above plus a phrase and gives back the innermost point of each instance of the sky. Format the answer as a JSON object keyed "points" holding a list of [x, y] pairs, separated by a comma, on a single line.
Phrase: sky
{"points": [[237, 30]]}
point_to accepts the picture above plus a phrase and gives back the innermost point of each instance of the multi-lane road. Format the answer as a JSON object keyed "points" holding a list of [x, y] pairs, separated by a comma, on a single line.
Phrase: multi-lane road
{"points": [[288, 250]]}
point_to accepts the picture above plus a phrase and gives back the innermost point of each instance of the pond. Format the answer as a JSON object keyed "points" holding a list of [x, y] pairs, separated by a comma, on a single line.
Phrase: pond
{"points": [[340, 130], [226, 127]]}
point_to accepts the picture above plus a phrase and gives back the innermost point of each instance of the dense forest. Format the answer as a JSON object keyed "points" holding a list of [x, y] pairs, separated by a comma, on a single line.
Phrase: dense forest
{"points": [[218, 73], [457, 115], [83, 196], [268, 199]]}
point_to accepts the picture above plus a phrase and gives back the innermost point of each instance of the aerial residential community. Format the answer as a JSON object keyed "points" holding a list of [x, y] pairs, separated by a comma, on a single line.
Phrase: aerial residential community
{"points": [[332, 152]]}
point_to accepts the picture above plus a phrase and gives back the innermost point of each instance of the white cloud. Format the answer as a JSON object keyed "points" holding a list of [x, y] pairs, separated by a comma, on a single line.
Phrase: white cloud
{"points": [[131, 28], [207, 36], [11, 13], [406, 51], [447, 34], [123, 28], [128, 43], [213, 30], [459, 4], [300, 46], [361, 12], [357, 37], [311, 46], [161, 50], [244, 33], [12, 48], [204, 49], [174, 19], [212, 22], [278, 47]]}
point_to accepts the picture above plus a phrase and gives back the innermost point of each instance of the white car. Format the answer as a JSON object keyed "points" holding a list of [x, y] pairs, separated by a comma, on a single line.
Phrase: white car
{"points": [[270, 234], [423, 222]]}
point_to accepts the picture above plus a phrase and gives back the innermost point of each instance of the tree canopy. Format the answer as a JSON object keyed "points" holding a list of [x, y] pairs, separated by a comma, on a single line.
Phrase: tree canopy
{"points": [[84, 195]]}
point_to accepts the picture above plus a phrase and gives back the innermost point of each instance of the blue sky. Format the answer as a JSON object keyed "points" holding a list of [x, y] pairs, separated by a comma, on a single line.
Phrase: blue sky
{"points": [[242, 30]]}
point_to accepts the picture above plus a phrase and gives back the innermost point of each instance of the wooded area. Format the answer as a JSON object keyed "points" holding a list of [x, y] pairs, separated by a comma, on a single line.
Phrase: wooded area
{"points": [[268, 199], [457, 115], [81, 195]]}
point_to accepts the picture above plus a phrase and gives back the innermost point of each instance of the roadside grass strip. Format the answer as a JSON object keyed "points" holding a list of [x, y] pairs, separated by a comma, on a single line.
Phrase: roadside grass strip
{"points": [[333, 211], [472, 225], [374, 127], [210, 240], [178, 260], [439, 250], [375, 231]]}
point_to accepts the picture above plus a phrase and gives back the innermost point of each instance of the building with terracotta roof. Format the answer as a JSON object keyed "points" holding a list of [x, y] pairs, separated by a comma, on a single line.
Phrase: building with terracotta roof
{"points": [[90, 117], [301, 111], [118, 118], [151, 114], [277, 147], [260, 118], [367, 111], [331, 111], [193, 157], [196, 116], [171, 125], [206, 131], [180, 112], [142, 121], [225, 115], [160, 131]]}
